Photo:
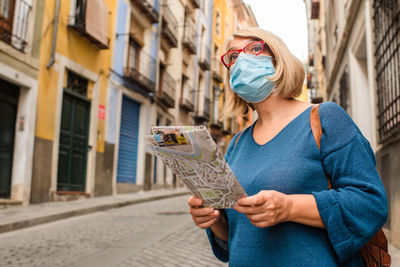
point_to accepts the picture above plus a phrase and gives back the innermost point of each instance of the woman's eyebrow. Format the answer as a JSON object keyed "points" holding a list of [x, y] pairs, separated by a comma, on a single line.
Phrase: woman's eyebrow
{"points": [[250, 41]]}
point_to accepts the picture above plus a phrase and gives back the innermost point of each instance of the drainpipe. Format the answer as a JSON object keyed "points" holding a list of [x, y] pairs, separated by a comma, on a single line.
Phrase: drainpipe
{"points": [[54, 38]]}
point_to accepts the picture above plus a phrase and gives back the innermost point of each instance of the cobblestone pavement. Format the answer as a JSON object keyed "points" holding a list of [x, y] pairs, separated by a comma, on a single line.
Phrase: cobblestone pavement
{"points": [[157, 233]]}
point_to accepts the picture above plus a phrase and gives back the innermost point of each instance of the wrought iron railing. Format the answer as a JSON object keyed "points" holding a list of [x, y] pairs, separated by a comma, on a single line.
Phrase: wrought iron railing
{"points": [[170, 26], [168, 86], [147, 9], [189, 38], [206, 108], [217, 72], [187, 99], [387, 53], [205, 54], [142, 69], [14, 16], [196, 3]]}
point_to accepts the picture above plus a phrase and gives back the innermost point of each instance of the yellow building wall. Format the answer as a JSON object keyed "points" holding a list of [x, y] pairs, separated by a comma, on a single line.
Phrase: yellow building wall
{"points": [[304, 94], [226, 11], [78, 49]]}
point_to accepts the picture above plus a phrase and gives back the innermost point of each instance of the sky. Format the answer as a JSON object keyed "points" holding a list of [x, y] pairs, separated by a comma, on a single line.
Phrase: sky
{"points": [[285, 18]]}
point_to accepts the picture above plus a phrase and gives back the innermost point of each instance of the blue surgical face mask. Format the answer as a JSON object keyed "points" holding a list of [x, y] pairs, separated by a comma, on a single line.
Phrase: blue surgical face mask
{"points": [[248, 77]]}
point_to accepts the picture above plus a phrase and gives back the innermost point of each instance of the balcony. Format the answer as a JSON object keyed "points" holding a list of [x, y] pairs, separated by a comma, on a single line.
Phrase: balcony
{"points": [[189, 38], [196, 3], [90, 20], [14, 23], [217, 73], [147, 9], [166, 94], [203, 115], [205, 54], [169, 29], [142, 71], [187, 99]]}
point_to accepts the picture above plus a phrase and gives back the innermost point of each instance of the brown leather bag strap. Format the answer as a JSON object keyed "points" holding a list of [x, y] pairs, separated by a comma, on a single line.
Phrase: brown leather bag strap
{"points": [[316, 129], [237, 139]]}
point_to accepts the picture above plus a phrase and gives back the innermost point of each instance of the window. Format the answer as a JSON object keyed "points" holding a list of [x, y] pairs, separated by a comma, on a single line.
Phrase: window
{"points": [[344, 91], [90, 18], [387, 55], [133, 54], [14, 15], [77, 83], [79, 12], [218, 24]]}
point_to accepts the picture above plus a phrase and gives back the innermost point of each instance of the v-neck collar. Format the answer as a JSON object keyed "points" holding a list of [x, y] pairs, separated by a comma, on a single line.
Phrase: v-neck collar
{"points": [[279, 133]]}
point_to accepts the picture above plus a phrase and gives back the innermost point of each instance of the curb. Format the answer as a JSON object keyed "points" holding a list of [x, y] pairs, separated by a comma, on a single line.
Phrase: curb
{"points": [[17, 225]]}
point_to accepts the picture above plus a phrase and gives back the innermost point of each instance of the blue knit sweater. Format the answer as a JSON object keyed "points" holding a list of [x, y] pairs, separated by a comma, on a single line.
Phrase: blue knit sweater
{"points": [[292, 164]]}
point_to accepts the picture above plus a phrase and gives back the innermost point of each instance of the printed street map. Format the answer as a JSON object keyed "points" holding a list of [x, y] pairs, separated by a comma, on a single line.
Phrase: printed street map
{"points": [[192, 155]]}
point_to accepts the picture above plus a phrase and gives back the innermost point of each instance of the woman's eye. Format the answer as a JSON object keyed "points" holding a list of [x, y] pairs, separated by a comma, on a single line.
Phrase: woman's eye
{"points": [[233, 57], [256, 49]]}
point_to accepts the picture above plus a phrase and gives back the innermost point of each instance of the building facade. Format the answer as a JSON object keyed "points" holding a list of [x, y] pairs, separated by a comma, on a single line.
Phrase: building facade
{"points": [[160, 74], [74, 66], [20, 35], [228, 17], [360, 73], [83, 81]]}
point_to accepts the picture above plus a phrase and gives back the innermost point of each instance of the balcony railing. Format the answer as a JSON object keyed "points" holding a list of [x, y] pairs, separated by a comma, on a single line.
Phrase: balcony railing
{"points": [[189, 38], [195, 3], [166, 94], [203, 114], [91, 21], [14, 16], [142, 70], [217, 73], [147, 9], [169, 28], [205, 54], [187, 98], [206, 110]]}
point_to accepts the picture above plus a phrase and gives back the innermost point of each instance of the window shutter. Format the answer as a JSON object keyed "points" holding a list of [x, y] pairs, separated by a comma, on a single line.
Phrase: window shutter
{"points": [[97, 20], [20, 23]]}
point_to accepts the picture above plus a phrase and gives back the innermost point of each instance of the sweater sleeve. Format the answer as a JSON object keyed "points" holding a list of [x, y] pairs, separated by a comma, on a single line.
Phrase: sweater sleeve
{"points": [[218, 246], [356, 208]]}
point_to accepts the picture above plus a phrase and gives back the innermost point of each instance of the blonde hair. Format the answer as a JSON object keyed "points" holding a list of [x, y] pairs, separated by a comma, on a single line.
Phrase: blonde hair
{"points": [[288, 77]]}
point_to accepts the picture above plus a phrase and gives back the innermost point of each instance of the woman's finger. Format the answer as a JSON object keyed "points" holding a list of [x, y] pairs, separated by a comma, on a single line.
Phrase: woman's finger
{"points": [[207, 224], [249, 210], [203, 219], [194, 201], [255, 200], [199, 212]]}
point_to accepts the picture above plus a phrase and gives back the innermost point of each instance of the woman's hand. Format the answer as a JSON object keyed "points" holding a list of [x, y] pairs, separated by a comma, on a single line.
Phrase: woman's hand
{"points": [[266, 208], [208, 217], [203, 217]]}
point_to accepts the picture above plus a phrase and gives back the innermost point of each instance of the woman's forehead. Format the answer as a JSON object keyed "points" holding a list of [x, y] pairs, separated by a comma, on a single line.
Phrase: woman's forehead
{"points": [[239, 42]]}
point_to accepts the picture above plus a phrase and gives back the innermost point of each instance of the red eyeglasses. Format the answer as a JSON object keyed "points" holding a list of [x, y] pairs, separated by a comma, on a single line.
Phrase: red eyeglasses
{"points": [[254, 48]]}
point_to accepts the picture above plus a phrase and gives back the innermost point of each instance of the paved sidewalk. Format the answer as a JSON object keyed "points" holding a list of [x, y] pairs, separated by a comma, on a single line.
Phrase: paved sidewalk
{"points": [[15, 218], [395, 254]]}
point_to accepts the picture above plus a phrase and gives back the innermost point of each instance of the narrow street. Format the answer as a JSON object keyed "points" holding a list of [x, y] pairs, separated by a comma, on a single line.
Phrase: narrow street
{"points": [[157, 233]]}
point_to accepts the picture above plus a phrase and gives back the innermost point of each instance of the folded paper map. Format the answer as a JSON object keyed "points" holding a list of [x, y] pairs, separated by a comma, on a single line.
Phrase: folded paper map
{"points": [[193, 156]]}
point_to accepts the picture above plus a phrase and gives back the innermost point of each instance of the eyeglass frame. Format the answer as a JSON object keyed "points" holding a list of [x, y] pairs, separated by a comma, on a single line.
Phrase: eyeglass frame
{"points": [[242, 50]]}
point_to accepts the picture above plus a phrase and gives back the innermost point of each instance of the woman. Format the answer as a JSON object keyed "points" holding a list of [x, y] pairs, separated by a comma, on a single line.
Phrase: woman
{"points": [[290, 218]]}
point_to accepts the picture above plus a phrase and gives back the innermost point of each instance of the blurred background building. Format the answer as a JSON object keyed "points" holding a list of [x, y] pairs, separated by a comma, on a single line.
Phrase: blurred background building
{"points": [[82, 82], [355, 62]]}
